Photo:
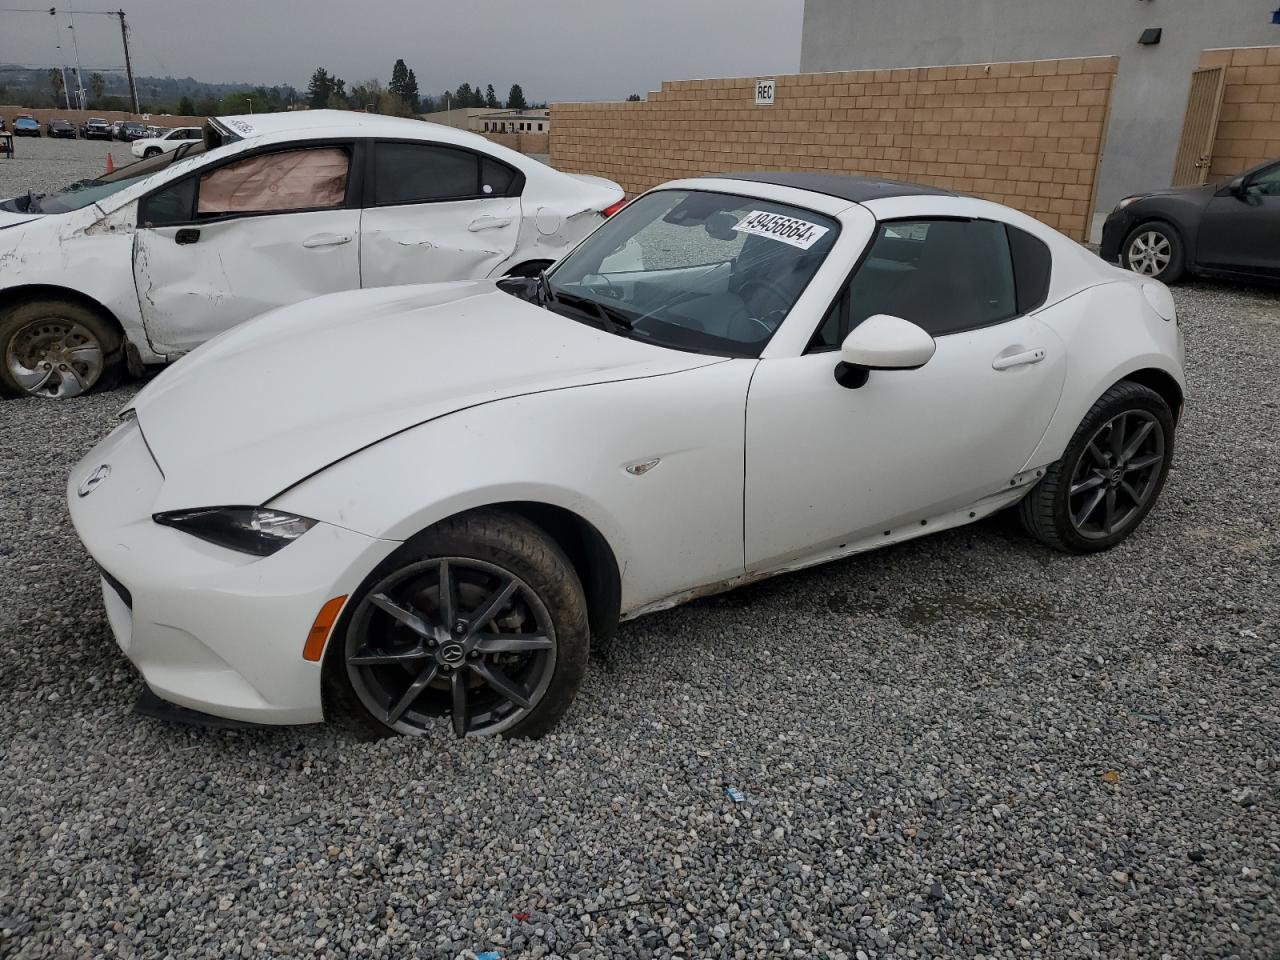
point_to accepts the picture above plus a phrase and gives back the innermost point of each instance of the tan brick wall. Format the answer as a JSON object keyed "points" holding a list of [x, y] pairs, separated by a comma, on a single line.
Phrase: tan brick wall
{"points": [[522, 142], [1026, 134], [1249, 124], [44, 114]]}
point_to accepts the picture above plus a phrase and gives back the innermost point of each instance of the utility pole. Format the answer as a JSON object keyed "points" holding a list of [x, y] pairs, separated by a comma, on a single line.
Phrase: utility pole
{"points": [[75, 45], [128, 64]]}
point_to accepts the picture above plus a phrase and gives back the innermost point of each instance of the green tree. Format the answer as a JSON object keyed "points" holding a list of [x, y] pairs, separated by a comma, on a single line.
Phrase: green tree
{"points": [[321, 89], [185, 107], [426, 104], [411, 98], [462, 96], [633, 98], [399, 78], [97, 84], [338, 95], [56, 83], [237, 103], [515, 99], [491, 98]]}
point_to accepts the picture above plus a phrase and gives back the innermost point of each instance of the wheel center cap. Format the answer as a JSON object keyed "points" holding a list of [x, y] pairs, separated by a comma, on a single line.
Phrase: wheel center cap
{"points": [[451, 654], [1115, 476]]}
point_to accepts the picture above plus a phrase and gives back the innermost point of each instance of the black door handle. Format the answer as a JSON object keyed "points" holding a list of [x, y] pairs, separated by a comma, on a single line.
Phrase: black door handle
{"points": [[187, 235]]}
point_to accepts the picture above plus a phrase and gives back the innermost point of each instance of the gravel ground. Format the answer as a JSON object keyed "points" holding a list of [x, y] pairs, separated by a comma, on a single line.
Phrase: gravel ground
{"points": [[43, 164], [963, 746]]}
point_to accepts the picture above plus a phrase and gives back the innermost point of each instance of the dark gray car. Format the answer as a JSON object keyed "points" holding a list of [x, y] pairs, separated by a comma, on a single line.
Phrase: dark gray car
{"points": [[1229, 230]]}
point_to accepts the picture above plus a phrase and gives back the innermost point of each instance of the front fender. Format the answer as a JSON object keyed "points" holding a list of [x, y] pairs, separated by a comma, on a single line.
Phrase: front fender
{"points": [[675, 525]]}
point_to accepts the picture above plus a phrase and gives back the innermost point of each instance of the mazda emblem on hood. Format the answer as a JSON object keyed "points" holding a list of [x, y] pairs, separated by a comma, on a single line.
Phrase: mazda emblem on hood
{"points": [[90, 483]]}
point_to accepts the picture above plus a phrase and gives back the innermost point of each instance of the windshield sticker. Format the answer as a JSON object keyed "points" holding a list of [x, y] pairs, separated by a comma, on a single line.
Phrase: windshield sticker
{"points": [[798, 233]]}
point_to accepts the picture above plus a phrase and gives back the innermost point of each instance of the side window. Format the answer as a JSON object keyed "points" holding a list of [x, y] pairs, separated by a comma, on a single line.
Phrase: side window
{"points": [[1032, 265], [496, 179], [947, 276], [172, 204], [1266, 182], [311, 179], [422, 172]]}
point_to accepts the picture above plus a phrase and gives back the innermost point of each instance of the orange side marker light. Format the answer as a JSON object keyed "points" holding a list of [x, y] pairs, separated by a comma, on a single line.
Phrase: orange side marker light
{"points": [[325, 619]]}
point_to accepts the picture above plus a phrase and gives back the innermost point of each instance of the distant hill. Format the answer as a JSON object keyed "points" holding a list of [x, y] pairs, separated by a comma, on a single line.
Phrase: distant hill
{"points": [[30, 86]]}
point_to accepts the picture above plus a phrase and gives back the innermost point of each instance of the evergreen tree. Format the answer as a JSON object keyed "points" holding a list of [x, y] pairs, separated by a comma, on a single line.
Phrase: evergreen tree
{"points": [[491, 98], [515, 99], [320, 89], [462, 96], [186, 108], [411, 98]]}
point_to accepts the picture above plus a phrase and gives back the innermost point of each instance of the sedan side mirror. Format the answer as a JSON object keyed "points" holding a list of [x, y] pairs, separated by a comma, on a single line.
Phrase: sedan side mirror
{"points": [[882, 342], [1237, 187]]}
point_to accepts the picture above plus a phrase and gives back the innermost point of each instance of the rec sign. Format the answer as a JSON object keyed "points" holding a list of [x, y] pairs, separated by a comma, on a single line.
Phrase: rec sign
{"points": [[764, 93]]}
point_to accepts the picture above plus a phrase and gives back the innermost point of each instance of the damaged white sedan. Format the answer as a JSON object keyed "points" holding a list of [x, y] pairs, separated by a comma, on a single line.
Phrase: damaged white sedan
{"points": [[420, 505], [142, 264]]}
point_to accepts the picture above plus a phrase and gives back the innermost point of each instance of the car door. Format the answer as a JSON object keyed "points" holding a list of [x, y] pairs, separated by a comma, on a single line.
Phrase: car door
{"points": [[828, 465], [436, 212], [1239, 230], [243, 236]]}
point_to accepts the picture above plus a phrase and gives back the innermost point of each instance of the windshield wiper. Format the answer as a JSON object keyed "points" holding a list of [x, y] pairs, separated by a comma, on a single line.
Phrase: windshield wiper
{"points": [[612, 319]]}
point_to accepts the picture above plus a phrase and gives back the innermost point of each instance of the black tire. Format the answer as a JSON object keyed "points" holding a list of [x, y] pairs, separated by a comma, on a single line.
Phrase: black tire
{"points": [[150, 152], [530, 268], [1046, 511], [1172, 270], [20, 334], [504, 541]]}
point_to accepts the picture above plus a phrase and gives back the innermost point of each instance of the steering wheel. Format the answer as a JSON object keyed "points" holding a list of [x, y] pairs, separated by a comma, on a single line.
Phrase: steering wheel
{"points": [[769, 319]]}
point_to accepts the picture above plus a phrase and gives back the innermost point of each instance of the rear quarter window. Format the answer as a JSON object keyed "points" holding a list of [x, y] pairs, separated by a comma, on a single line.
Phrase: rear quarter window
{"points": [[1032, 267]]}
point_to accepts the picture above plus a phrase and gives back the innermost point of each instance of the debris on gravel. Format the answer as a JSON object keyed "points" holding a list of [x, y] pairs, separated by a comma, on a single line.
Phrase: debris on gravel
{"points": [[963, 746]]}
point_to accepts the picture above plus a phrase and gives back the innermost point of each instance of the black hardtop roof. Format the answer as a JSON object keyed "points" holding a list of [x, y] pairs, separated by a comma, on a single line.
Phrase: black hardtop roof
{"points": [[853, 189]]}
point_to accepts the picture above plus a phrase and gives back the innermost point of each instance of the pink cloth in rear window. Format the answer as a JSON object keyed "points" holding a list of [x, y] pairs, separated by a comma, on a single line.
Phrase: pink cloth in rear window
{"points": [[293, 180]]}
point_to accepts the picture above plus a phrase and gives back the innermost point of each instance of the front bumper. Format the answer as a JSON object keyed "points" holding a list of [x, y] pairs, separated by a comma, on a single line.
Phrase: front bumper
{"points": [[209, 628], [1114, 230]]}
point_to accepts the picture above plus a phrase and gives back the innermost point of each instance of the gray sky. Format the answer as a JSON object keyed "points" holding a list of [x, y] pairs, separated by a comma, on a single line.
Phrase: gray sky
{"points": [[556, 49]]}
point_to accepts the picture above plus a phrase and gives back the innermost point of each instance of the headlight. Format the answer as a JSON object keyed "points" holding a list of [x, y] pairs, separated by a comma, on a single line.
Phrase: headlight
{"points": [[1127, 200], [255, 530]]}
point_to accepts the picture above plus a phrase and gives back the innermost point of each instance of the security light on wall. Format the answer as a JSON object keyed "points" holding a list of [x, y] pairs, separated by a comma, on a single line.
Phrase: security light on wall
{"points": [[1150, 36]]}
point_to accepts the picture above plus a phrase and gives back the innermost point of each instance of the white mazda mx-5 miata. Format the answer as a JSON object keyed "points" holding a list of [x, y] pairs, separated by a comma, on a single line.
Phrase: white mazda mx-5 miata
{"points": [[419, 503]]}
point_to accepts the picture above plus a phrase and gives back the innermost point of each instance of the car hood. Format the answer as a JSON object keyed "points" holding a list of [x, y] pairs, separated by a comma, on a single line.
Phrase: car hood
{"points": [[10, 218], [269, 403], [1198, 194]]}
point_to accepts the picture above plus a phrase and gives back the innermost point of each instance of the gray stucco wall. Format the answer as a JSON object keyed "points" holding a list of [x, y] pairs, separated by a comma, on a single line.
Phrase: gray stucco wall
{"points": [[1150, 94]]}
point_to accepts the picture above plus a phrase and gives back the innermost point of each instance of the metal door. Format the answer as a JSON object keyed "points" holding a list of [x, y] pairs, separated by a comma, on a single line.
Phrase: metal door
{"points": [[1199, 127]]}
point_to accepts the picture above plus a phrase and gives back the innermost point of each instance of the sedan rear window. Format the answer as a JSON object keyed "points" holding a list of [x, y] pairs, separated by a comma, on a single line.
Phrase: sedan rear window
{"points": [[426, 172]]}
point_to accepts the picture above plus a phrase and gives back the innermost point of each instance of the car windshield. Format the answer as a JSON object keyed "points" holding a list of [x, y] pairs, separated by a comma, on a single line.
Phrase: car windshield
{"points": [[706, 272], [84, 192]]}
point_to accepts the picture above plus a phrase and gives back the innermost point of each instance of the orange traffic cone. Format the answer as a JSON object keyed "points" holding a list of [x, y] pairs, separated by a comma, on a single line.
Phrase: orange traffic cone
{"points": [[111, 164]]}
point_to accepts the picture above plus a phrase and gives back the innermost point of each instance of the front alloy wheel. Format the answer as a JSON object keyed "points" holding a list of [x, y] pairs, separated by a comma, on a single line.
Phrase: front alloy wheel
{"points": [[480, 620], [1154, 250], [55, 350]]}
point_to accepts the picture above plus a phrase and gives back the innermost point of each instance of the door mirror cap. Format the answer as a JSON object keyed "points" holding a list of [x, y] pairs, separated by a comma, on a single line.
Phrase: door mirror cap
{"points": [[1237, 187], [884, 342]]}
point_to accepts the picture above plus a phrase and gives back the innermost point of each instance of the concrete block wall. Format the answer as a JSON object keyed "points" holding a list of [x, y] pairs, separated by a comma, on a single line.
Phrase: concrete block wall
{"points": [[538, 143], [1028, 134], [1249, 123]]}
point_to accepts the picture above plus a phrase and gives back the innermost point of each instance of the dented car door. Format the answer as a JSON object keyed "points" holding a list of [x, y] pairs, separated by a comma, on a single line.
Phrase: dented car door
{"points": [[435, 212], [233, 240]]}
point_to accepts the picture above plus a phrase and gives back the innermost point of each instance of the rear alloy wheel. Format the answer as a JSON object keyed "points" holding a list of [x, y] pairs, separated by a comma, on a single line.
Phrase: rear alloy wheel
{"points": [[55, 350], [1110, 476], [150, 152], [1154, 250], [482, 622]]}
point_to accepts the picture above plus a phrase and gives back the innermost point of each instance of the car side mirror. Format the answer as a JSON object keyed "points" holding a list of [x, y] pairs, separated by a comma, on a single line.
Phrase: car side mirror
{"points": [[882, 342], [1238, 188]]}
